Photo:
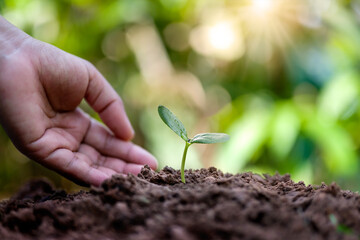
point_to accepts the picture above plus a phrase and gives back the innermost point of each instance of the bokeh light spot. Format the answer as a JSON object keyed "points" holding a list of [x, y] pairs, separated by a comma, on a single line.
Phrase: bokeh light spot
{"points": [[221, 36], [262, 6], [222, 40]]}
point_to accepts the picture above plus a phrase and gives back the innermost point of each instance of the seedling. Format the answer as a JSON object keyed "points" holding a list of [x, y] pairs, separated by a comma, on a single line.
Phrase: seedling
{"points": [[176, 125], [340, 228]]}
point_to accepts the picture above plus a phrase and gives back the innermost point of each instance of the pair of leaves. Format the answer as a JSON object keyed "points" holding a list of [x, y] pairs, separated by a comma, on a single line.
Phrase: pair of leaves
{"points": [[176, 125]]}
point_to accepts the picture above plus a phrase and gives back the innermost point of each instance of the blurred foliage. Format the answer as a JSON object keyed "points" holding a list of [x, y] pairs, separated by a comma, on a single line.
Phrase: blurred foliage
{"points": [[281, 77]]}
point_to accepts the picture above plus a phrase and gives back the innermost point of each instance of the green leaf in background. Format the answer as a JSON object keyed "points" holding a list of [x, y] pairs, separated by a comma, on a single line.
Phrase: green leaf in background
{"points": [[338, 95], [248, 134], [284, 128], [173, 122], [337, 147], [206, 138]]}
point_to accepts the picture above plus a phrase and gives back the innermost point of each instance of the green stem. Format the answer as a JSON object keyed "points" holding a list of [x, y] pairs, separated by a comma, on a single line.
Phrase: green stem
{"points": [[187, 145]]}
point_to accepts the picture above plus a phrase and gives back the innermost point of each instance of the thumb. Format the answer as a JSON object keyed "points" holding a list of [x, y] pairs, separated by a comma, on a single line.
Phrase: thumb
{"points": [[107, 103]]}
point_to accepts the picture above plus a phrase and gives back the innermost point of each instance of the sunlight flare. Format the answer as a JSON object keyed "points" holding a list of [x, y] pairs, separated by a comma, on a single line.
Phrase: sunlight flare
{"points": [[222, 40], [262, 6], [221, 36]]}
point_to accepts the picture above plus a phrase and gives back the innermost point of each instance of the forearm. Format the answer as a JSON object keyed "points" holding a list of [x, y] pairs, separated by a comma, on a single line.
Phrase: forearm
{"points": [[11, 37]]}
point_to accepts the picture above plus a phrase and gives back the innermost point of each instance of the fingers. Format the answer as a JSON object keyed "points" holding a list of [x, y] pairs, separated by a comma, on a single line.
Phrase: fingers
{"points": [[114, 164], [76, 166], [105, 101], [87, 166], [105, 143]]}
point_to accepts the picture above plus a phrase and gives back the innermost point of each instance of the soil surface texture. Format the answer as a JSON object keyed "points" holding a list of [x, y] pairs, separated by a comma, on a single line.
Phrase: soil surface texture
{"points": [[157, 205]]}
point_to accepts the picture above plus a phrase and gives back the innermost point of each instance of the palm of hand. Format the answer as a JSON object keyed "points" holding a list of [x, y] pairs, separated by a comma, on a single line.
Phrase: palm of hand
{"points": [[42, 94]]}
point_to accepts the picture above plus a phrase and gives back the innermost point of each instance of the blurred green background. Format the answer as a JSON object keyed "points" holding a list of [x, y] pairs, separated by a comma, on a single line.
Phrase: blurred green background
{"points": [[281, 77]]}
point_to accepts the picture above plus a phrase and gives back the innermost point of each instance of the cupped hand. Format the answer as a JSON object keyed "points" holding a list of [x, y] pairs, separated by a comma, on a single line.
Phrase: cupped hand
{"points": [[41, 88]]}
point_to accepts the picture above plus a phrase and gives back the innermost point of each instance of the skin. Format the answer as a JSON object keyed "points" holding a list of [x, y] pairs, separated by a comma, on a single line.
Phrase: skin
{"points": [[41, 88]]}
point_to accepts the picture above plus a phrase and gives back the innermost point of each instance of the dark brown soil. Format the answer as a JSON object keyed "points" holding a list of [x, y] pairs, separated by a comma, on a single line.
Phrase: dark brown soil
{"points": [[211, 205]]}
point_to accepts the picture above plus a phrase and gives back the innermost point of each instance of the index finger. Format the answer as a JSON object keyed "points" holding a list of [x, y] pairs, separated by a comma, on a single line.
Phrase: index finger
{"points": [[108, 104]]}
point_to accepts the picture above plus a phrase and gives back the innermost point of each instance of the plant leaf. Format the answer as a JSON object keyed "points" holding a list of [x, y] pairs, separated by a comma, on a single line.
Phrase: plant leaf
{"points": [[173, 122], [207, 138]]}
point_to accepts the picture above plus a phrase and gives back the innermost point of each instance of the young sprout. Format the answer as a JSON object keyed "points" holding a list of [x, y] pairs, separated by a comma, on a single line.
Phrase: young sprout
{"points": [[176, 125], [340, 228]]}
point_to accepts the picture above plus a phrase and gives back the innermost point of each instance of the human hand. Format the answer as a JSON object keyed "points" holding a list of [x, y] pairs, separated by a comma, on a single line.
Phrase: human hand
{"points": [[41, 87]]}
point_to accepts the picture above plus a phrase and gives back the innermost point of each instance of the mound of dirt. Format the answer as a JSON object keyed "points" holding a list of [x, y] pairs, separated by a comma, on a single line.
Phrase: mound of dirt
{"points": [[157, 205]]}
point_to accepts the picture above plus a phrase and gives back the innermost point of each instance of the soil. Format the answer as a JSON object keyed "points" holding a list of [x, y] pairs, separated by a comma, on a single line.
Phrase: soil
{"points": [[157, 205]]}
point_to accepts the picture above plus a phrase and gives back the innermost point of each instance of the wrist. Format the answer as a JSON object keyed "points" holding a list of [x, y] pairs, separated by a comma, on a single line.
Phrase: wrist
{"points": [[11, 38]]}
